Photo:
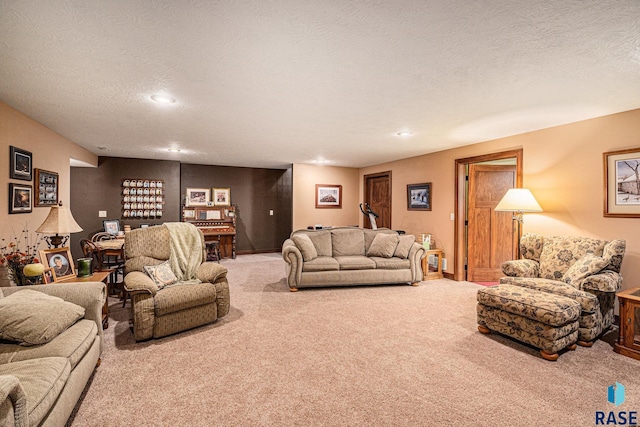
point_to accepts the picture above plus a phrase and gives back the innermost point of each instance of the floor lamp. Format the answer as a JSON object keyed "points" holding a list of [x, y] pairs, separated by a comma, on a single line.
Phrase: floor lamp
{"points": [[518, 201]]}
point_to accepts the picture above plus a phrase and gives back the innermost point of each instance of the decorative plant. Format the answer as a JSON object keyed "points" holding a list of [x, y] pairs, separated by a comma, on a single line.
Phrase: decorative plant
{"points": [[17, 252]]}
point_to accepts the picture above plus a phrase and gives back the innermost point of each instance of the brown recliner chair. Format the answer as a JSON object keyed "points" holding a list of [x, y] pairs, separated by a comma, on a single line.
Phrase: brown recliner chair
{"points": [[193, 301]]}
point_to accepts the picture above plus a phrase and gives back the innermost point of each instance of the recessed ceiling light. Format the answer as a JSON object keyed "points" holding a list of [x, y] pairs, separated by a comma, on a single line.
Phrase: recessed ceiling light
{"points": [[404, 133], [163, 99]]}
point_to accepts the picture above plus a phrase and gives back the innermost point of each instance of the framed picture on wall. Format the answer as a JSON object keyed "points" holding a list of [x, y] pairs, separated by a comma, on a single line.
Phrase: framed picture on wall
{"points": [[198, 197], [20, 198], [222, 196], [47, 188], [328, 196], [622, 183], [20, 164], [60, 260], [419, 197]]}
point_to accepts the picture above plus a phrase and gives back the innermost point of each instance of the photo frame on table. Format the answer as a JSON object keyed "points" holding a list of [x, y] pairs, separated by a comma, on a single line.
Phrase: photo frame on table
{"points": [[20, 198], [198, 197], [60, 261], [622, 183], [48, 276], [419, 197], [328, 196], [111, 226], [21, 162], [46, 185], [222, 196]]}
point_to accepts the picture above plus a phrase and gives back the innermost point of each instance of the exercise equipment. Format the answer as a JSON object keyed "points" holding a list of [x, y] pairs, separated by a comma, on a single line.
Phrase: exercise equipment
{"points": [[370, 214]]}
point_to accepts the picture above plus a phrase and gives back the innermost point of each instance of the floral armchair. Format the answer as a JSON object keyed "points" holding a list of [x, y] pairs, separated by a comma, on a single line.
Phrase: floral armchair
{"points": [[584, 269]]}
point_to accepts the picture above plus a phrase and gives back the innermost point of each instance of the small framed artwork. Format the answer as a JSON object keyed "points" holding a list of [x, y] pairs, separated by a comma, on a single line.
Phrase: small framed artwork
{"points": [[20, 198], [48, 276], [328, 196], [419, 197], [622, 183], [20, 164], [60, 261], [189, 213], [46, 187], [198, 197], [222, 196], [111, 226]]}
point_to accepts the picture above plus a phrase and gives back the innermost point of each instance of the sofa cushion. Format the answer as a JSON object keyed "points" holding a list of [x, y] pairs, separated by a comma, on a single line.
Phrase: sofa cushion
{"points": [[322, 263], [71, 344], [322, 241], [161, 274], [561, 252], [393, 263], [42, 380], [370, 234], [383, 245], [585, 266], [355, 262], [184, 296], [613, 253], [347, 242], [588, 301], [306, 246], [31, 317], [405, 243]]}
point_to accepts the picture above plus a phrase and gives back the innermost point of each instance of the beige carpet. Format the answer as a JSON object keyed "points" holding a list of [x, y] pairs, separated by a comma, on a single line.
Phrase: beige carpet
{"points": [[359, 356]]}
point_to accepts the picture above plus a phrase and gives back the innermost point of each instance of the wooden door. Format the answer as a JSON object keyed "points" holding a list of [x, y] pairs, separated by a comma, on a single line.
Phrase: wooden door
{"points": [[377, 193], [492, 238]]}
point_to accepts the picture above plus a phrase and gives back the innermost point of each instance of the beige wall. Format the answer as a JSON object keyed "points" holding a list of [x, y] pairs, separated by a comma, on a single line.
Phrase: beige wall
{"points": [[562, 167], [305, 178], [50, 151]]}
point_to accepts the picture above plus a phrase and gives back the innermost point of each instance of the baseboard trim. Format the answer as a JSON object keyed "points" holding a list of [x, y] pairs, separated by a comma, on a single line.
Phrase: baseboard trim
{"points": [[259, 251], [448, 275]]}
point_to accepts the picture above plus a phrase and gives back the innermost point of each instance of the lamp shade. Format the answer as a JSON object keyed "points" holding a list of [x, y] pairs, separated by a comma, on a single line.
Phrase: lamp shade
{"points": [[59, 221], [518, 200]]}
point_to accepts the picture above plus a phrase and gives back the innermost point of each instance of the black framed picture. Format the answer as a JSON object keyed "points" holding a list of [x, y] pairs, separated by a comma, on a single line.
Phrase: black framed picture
{"points": [[46, 187], [20, 164], [20, 198], [419, 197]]}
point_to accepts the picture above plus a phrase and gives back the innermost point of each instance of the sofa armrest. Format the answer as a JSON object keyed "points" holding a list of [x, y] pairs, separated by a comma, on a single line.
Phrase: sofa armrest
{"points": [[211, 272], [293, 258], [136, 282], [416, 253], [521, 268], [13, 402], [605, 281]]}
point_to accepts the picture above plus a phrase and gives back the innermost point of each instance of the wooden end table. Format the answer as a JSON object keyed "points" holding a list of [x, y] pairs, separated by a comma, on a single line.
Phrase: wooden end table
{"points": [[628, 343], [97, 276], [432, 271]]}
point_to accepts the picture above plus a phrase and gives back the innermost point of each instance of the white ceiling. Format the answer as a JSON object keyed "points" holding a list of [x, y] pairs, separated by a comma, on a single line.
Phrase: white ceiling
{"points": [[267, 83]]}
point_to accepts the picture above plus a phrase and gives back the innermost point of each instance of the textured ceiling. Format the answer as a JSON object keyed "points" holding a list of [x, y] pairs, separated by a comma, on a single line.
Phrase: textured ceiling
{"points": [[269, 83]]}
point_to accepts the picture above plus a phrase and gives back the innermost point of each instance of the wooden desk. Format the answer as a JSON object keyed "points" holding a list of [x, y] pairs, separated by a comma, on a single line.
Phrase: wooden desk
{"points": [[97, 276]]}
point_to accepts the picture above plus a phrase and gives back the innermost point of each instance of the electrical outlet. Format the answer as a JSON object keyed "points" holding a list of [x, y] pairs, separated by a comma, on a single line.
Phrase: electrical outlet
{"points": [[444, 264], [453, 216], [102, 214], [271, 212]]}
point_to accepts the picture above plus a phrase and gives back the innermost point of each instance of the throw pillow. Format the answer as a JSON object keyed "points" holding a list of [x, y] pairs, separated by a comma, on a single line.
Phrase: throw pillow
{"points": [[586, 266], [161, 274], [306, 246], [383, 245], [33, 318], [404, 245]]}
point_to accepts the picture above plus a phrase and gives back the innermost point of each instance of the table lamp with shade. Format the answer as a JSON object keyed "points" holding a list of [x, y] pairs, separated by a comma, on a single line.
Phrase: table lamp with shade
{"points": [[518, 201], [60, 223]]}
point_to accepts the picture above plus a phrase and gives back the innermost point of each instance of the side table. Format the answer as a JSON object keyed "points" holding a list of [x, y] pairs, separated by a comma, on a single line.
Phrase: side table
{"points": [[97, 276], [432, 270], [628, 343]]}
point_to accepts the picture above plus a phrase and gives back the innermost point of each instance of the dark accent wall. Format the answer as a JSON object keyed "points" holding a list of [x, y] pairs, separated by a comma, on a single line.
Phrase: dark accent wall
{"points": [[254, 192]]}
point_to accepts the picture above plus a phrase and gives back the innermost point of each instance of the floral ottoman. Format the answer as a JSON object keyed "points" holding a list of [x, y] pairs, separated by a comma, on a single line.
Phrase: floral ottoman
{"points": [[546, 321]]}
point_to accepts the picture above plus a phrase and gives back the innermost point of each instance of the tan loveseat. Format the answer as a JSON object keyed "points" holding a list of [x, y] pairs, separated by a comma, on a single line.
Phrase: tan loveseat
{"points": [[41, 384], [200, 296], [351, 256], [580, 268]]}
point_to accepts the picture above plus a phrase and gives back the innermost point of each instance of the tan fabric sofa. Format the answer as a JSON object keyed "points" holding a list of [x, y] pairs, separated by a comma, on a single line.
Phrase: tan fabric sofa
{"points": [[346, 256], [157, 313], [41, 384]]}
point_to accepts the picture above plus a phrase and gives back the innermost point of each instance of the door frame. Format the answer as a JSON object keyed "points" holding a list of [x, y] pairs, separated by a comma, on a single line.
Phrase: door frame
{"points": [[364, 194], [460, 236]]}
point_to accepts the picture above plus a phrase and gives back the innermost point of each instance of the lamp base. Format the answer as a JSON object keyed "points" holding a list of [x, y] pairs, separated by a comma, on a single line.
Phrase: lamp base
{"points": [[56, 240]]}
